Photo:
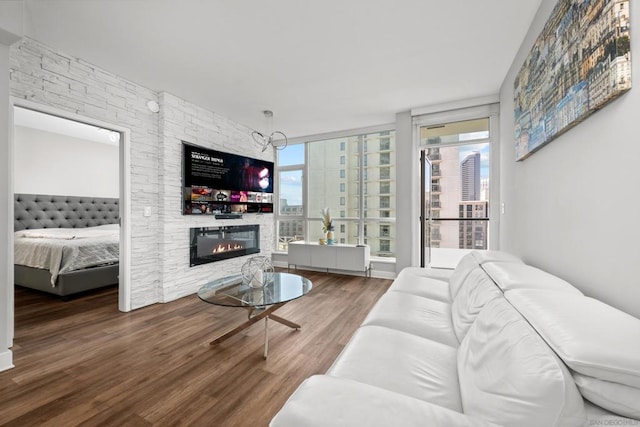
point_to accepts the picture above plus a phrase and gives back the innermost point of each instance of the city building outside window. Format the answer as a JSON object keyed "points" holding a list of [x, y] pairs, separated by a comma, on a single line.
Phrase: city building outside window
{"points": [[357, 204]]}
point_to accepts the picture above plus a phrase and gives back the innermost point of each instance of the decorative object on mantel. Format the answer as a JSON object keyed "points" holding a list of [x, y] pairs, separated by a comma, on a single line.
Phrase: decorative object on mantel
{"points": [[578, 64], [327, 225], [257, 271], [269, 136]]}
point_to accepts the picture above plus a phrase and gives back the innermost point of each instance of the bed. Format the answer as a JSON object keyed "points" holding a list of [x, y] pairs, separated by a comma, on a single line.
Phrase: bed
{"points": [[65, 245]]}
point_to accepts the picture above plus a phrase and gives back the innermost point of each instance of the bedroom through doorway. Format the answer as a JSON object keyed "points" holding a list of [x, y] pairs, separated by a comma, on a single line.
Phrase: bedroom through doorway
{"points": [[70, 201]]}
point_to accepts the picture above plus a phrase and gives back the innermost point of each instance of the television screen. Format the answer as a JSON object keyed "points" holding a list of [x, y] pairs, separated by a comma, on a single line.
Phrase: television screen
{"points": [[218, 182]]}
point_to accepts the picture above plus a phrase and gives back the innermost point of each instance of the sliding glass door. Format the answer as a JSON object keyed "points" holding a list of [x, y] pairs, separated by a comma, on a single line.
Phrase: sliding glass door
{"points": [[458, 197]]}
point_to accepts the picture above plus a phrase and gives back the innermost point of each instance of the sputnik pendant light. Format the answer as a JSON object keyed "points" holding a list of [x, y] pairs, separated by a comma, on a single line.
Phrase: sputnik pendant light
{"points": [[269, 136]]}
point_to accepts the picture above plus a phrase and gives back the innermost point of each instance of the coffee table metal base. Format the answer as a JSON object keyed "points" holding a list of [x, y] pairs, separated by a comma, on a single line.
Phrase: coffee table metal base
{"points": [[265, 314]]}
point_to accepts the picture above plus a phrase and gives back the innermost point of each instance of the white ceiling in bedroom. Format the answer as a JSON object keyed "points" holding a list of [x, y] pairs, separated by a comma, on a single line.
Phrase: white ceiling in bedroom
{"points": [[48, 123]]}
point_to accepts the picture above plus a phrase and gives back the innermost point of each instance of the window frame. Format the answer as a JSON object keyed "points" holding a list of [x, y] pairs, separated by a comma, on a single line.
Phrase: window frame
{"points": [[311, 219], [442, 114], [278, 216]]}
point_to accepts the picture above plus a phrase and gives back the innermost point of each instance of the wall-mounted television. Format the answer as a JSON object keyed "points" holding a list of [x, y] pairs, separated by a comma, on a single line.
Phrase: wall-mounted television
{"points": [[215, 182]]}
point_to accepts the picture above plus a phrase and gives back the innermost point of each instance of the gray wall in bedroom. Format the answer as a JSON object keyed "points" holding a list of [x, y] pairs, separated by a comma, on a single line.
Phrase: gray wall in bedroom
{"points": [[50, 163], [571, 207]]}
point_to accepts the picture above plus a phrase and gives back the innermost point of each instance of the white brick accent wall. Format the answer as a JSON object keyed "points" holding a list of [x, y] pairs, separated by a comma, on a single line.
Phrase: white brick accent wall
{"points": [[159, 254], [183, 121]]}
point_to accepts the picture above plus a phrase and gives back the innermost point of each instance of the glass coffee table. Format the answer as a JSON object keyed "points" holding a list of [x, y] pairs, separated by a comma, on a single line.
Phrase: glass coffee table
{"points": [[280, 288]]}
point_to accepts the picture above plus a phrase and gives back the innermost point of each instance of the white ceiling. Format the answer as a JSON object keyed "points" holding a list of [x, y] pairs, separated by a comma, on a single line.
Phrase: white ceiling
{"points": [[320, 66], [48, 123]]}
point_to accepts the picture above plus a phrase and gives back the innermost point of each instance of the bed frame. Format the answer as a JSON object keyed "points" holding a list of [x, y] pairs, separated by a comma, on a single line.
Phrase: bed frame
{"points": [[46, 211]]}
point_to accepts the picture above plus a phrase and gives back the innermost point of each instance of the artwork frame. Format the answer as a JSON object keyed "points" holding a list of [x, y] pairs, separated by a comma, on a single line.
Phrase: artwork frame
{"points": [[580, 62]]}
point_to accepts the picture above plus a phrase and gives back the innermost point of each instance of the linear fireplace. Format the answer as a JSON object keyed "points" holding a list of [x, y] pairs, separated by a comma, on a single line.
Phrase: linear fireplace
{"points": [[211, 244]]}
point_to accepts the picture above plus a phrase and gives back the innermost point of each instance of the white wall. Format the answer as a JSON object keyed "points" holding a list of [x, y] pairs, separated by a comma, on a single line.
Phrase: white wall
{"points": [[571, 207], [50, 163], [408, 201], [6, 214], [10, 32]]}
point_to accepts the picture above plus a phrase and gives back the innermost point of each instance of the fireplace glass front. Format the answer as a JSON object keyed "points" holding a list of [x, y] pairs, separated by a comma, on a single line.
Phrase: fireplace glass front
{"points": [[211, 244]]}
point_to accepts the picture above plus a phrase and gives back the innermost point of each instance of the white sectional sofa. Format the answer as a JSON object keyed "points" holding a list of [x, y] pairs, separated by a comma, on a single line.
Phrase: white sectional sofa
{"points": [[494, 342]]}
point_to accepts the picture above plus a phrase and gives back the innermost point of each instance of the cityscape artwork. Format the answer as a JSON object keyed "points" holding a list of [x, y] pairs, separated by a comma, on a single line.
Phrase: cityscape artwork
{"points": [[579, 63]]}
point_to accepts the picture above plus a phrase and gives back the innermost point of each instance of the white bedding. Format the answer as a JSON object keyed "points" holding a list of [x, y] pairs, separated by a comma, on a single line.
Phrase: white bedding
{"points": [[61, 250]]}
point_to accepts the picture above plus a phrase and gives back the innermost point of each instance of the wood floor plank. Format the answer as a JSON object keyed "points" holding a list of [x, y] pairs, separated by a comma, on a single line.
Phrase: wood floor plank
{"points": [[82, 362]]}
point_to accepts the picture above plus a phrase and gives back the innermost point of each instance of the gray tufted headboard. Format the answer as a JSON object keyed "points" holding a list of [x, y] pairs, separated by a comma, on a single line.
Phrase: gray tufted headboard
{"points": [[44, 211]]}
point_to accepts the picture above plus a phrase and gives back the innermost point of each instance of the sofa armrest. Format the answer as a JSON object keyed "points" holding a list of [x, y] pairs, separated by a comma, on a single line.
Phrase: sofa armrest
{"points": [[322, 400]]}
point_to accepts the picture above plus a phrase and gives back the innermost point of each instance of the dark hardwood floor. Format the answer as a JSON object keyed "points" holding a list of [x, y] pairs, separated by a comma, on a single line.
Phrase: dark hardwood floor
{"points": [[82, 362]]}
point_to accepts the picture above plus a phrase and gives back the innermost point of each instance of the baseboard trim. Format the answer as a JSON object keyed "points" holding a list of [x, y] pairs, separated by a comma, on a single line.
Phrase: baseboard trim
{"points": [[6, 360]]}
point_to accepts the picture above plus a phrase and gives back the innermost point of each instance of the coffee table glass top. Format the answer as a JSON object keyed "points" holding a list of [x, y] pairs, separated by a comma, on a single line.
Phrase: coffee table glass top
{"points": [[230, 291]]}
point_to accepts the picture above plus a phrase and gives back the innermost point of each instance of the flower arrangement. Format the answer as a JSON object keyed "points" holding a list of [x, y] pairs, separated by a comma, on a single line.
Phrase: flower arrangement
{"points": [[327, 222]]}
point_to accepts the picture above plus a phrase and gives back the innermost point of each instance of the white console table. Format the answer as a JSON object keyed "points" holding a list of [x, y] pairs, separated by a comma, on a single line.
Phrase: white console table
{"points": [[337, 256]]}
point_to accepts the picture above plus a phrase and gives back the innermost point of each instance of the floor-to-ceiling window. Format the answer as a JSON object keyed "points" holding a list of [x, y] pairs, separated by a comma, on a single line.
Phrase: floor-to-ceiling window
{"points": [[352, 175]]}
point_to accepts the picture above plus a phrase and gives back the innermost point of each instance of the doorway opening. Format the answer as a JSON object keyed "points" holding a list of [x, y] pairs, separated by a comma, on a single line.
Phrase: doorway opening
{"points": [[72, 172]]}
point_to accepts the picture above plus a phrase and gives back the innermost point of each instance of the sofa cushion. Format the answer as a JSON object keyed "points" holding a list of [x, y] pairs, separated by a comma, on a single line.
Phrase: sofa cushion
{"points": [[473, 260], [416, 315], [432, 273], [618, 398], [591, 337], [466, 265], [474, 294], [403, 363], [322, 400], [509, 376], [491, 256], [410, 281], [510, 275]]}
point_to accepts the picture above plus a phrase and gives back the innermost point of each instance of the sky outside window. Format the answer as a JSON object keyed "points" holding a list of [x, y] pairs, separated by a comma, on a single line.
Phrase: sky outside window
{"points": [[291, 181], [291, 155]]}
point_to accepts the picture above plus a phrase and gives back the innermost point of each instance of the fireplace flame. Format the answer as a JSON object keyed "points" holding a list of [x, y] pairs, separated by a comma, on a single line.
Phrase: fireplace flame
{"points": [[226, 248]]}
